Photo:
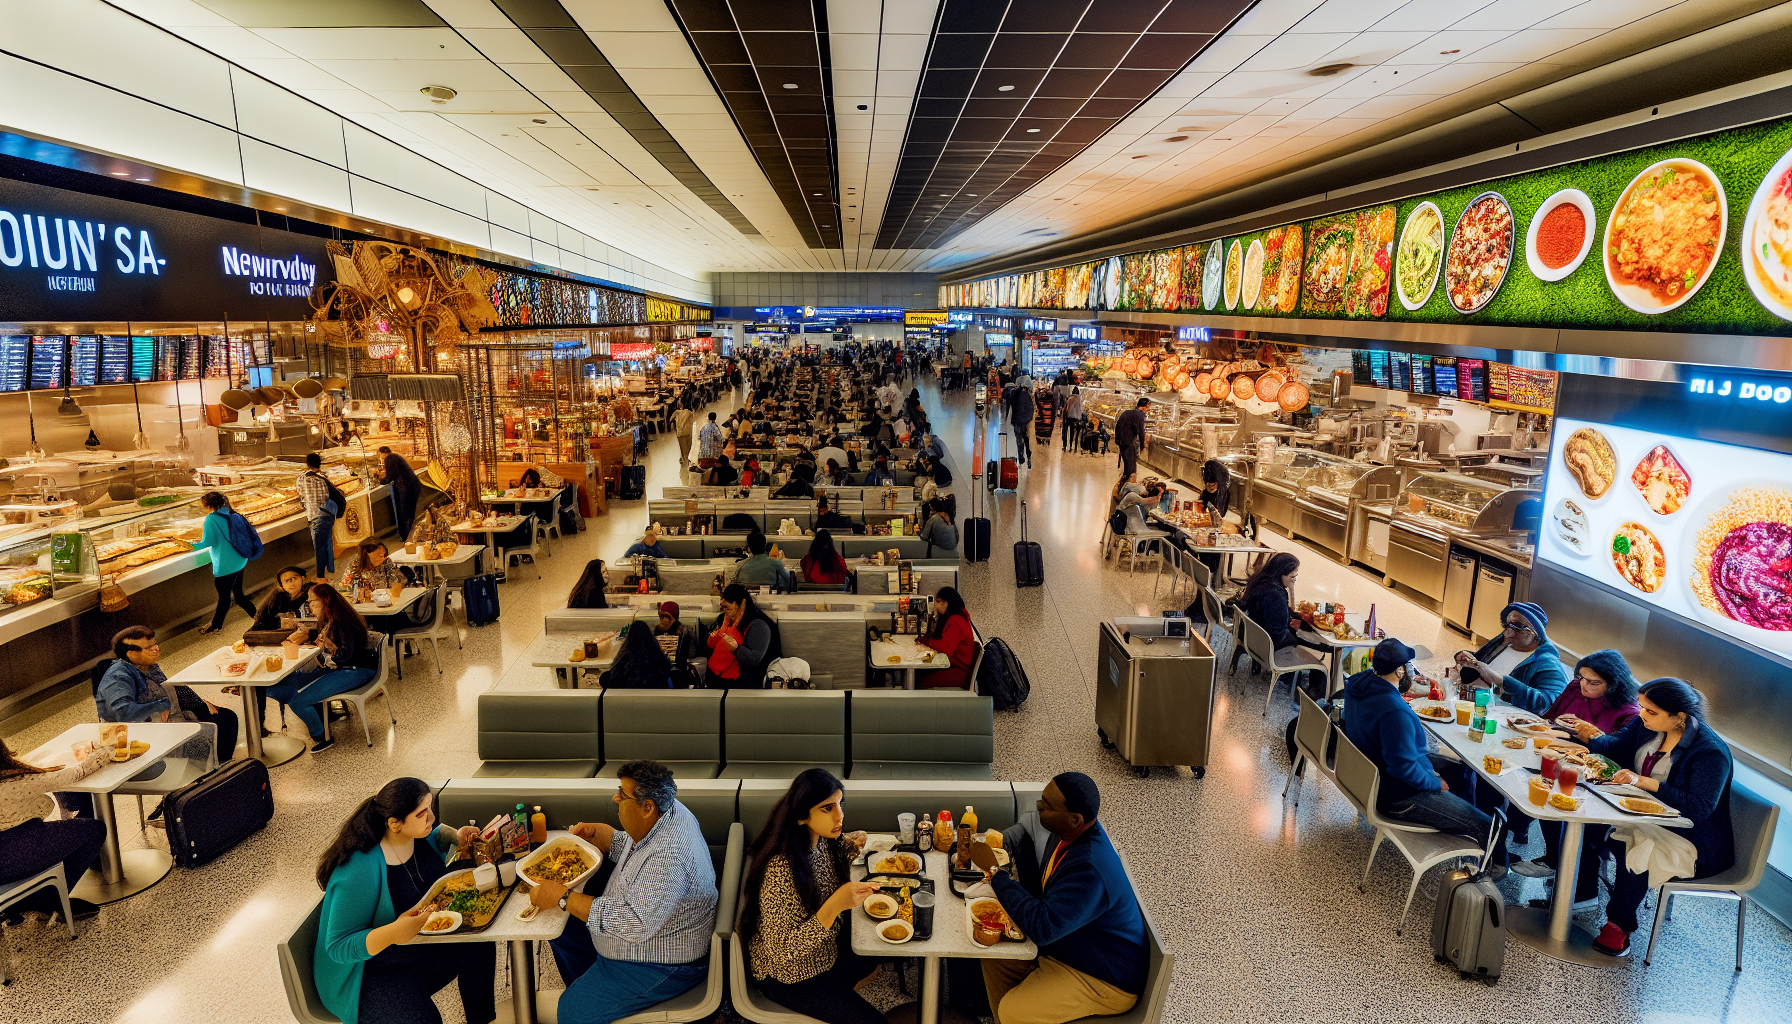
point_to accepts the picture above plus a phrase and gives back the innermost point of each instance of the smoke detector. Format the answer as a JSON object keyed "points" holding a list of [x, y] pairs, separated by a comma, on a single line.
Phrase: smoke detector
{"points": [[438, 93]]}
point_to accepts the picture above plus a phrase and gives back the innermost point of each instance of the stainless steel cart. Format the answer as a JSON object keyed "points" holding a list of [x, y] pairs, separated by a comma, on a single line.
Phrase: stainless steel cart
{"points": [[1154, 695]]}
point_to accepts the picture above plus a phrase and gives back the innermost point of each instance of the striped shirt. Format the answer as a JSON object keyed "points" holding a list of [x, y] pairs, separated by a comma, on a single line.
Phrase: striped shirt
{"points": [[709, 441], [313, 492], [660, 905]]}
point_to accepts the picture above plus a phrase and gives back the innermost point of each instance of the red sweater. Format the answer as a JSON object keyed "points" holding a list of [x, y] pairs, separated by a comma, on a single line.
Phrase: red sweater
{"points": [[960, 647], [815, 572]]}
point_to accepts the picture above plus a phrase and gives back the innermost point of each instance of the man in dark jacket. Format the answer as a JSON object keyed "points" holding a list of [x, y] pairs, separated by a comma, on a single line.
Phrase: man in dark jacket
{"points": [[1074, 900], [1020, 413], [1129, 434], [1384, 727]]}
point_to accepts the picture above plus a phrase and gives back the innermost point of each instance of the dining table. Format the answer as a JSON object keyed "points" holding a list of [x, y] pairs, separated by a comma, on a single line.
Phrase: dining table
{"points": [[208, 679], [119, 873], [951, 935], [396, 606], [905, 652], [554, 651], [491, 527], [1552, 930], [433, 567], [1339, 646]]}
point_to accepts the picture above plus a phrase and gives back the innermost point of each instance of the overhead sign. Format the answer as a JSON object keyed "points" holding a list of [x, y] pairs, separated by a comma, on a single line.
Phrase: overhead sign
{"points": [[924, 317], [996, 339], [68, 256], [1085, 332], [960, 316], [1190, 332], [626, 350]]}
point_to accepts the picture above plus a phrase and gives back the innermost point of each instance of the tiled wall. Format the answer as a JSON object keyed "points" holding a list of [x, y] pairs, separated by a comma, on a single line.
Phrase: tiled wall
{"points": [[910, 291]]}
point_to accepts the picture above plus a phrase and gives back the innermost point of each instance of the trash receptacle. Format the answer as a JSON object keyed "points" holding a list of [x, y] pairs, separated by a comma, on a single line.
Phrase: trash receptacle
{"points": [[1154, 694]]}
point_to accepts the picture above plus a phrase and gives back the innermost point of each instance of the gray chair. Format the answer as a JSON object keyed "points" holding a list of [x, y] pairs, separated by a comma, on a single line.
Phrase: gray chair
{"points": [[1752, 821], [1424, 848], [555, 734], [1278, 662], [874, 804], [297, 954], [514, 545], [922, 735], [375, 687], [775, 734], [681, 729], [1312, 735], [431, 630], [53, 877]]}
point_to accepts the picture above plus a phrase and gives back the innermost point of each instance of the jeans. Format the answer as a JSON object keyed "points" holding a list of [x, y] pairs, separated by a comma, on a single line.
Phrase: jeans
{"points": [[230, 591], [304, 691], [1129, 461], [1592, 841], [404, 511], [1446, 812], [1073, 432], [1023, 442], [323, 542], [600, 990], [34, 845], [398, 983], [829, 996], [224, 718]]}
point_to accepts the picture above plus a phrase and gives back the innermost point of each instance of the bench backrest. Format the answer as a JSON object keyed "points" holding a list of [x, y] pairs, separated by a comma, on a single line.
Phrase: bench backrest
{"points": [[677, 725], [540, 726], [833, 643], [915, 725], [807, 726], [873, 805]]}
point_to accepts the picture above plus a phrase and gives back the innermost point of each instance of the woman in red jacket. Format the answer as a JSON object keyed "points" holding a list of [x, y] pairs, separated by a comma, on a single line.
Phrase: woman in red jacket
{"points": [[823, 564], [952, 635]]}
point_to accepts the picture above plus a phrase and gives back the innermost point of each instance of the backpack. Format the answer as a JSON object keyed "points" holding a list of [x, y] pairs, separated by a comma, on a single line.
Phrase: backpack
{"points": [[337, 502], [1001, 677], [1117, 523], [243, 536]]}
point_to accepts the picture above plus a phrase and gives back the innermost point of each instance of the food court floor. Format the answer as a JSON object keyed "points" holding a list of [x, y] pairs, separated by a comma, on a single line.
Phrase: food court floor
{"points": [[1258, 902]]}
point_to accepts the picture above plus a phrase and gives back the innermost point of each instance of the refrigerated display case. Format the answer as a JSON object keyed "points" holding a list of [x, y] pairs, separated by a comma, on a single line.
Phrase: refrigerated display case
{"points": [[1436, 510], [1312, 494], [44, 564]]}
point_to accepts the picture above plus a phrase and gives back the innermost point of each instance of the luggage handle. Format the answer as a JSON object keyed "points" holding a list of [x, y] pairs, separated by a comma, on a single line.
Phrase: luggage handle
{"points": [[1023, 522], [1495, 834]]}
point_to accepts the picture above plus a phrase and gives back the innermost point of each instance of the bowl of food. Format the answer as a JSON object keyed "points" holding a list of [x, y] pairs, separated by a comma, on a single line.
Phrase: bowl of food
{"points": [[895, 864], [1664, 235], [1739, 535], [441, 922], [1561, 235], [1419, 256], [1589, 458], [1662, 480], [1767, 240], [896, 932], [1638, 557], [566, 859], [1480, 253], [881, 906]]}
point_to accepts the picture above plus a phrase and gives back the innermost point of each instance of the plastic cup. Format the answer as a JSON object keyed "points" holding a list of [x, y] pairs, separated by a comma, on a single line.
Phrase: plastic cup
{"points": [[115, 735], [1552, 763], [1566, 777], [507, 872], [1539, 791], [921, 899], [1464, 712], [905, 828]]}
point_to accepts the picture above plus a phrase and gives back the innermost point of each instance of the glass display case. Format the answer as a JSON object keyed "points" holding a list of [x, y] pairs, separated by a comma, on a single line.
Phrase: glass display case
{"points": [[137, 540], [92, 479], [43, 564], [1316, 495], [1464, 503]]}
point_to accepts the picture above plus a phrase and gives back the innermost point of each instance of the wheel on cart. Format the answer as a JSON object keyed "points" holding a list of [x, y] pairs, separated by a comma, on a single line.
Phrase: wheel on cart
{"points": [[1106, 743], [1200, 772], [1141, 771]]}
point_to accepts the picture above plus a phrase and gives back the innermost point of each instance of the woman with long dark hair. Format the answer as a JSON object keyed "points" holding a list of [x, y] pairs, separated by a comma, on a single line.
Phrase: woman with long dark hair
{"points": [[640, 663], [951, 634], [798, 872], [29, 844], [348, 660], [374, 875], [823, 563], [1216, 487], [1267, 600], [589, 591], [744, 641]]}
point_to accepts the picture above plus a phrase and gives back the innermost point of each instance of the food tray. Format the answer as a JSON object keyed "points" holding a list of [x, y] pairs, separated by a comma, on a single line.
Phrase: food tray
{"points": [[469, 922], [548, 848], [872, 863], [923, 915], [1615, 794]]}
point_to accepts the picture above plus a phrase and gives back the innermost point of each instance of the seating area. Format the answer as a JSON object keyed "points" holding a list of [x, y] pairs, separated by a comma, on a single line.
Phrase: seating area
{"points": [[732, 544], [742, 734]]}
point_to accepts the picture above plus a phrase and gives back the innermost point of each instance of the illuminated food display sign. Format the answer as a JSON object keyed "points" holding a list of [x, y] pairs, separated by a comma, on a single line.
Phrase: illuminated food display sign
{"points": [[1085, 332]]}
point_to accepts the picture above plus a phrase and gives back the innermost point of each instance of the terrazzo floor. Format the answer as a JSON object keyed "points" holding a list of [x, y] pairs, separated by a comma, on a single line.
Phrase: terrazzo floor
{"points": [[1257, 900]]}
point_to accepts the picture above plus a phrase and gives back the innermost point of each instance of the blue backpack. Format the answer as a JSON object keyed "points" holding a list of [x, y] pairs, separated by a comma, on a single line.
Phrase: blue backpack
{"points": [[243, 537]]}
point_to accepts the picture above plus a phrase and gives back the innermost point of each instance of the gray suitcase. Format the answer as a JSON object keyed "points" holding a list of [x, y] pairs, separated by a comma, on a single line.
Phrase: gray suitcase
{"points": [[1468, 927]]}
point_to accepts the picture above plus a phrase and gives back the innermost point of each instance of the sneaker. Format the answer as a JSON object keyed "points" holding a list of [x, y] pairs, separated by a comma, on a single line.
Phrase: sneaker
{"points": [[1612, 940], [1533, 868], [322, 745]]}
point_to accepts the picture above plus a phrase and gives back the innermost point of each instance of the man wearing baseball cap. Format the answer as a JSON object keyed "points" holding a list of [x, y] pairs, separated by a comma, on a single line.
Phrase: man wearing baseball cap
{"points": [[1384, 727]]}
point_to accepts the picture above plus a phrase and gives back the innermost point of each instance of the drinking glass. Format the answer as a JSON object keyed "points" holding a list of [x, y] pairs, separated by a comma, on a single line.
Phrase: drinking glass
{"points": [[1552, 762], [1566, 777], [905, 828], [922, 899], [1539, 791]]}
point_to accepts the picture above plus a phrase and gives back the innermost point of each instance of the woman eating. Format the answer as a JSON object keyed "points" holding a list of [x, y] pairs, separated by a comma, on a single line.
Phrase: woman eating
{"points": [[374, 875], [348, 660], [743, 643], [375, 571], [1266, 599], [802, 890], [29, 844], [823, 564], [1520, 664], [953, 636], [530, 480], [640, 664], [589, 591]]}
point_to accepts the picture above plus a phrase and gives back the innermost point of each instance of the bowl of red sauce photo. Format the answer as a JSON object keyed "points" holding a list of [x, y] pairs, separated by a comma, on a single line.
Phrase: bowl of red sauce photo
{"points": [[1561, 235]]}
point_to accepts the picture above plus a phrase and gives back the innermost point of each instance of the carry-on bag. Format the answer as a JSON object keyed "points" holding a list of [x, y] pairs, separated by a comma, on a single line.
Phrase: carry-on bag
{"points": [[479, 595], [633, 486], [1029, 559], [1001, 678], [1468, 927], [976, 533], [217, 811], [1009, 468]]}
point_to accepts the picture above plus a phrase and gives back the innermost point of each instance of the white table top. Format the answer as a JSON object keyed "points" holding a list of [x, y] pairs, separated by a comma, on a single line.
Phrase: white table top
{"points": [[206, 671], [162, 738], [462, 553], [505, 927], [406, 598], [504, 524], [951, 932], [906, 648], [1593, 810], [1325, 636], [551, 651]]}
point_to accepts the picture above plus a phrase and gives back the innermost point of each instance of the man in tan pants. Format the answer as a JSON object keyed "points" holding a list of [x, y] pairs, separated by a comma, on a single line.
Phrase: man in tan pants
{"points": [[1072, 899]]}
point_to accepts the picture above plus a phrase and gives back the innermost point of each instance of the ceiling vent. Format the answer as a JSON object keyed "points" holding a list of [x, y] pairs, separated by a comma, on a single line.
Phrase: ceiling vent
{"points": [[438, 93]]}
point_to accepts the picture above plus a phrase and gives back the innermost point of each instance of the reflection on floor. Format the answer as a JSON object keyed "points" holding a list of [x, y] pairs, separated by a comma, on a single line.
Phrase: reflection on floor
{"points": [[1258, 901]]}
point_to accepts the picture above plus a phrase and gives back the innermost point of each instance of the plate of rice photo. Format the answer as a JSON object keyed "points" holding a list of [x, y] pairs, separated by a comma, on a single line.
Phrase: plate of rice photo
{"points": [[1741, 575]]}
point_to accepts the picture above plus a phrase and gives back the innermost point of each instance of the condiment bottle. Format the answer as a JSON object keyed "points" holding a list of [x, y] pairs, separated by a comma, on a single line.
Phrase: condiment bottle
{"points": [[944, 839], [924, 833], [538, 823]]}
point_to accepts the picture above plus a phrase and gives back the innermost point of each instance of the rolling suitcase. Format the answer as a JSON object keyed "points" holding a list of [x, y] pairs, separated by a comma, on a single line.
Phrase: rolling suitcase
{"points": [[1009, 468], [976, 535], [217, 811], [1029, 559], [479, 595], [1468, 928]]}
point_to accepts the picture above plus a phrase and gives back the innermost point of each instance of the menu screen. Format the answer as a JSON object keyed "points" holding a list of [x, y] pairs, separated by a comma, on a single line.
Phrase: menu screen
{"points": [[115, 359], [143, 359], [1402, 365], [1379, 373], [84, 360], [1471, 379], [49, 359], [1521, 388], [15, 354], [1421, 375], [219, 360], [1444, 370], [1359, 365], [192, 357]]}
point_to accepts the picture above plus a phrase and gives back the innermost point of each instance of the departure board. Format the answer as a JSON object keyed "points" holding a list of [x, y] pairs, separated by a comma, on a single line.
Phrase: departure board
{"points": [[84, 360], [15, 356], [143, 359], [168, 350], [1444, 370], [1421, 375], [192, 357], [219, 360], [1359, 366], [49, 362]]}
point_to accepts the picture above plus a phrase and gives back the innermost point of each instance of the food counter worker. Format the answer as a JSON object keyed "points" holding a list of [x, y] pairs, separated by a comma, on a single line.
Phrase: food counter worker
{"points": [[952, 635], [1670, 752], [801, 891], [1521, 665], [382, 863]]}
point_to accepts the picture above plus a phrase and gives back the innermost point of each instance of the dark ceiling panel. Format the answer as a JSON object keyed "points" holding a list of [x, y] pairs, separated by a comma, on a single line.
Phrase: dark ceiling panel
{"points": [[1076, 69], [768, 59]]}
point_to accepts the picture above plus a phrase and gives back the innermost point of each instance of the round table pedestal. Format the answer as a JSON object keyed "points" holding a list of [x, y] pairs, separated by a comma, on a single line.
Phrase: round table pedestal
{"points": [[1530, 925], [142, 869], [275, 750]]}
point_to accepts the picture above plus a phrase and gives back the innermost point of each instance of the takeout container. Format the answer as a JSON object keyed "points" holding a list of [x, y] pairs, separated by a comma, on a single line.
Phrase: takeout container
{"points": [[889, 864], [549, 848]]}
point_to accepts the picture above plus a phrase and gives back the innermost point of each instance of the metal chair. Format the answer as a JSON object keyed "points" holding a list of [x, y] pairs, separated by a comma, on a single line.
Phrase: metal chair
{"points": [[509, 555], [1175, 560], [1215, 613], [297, 955], [1278, 662], [1752, 821], [1424, 848], [431, 631], [1142, 545], [360, 695], [1199, 572], [54, 878], [1312, 735]]}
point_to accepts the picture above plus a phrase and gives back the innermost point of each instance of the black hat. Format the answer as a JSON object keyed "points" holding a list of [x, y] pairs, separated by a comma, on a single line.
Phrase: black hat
{"points": [[1080, 795], [1390, 654]]}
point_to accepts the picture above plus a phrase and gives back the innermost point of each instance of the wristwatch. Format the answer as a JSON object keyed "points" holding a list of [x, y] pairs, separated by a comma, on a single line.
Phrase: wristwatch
{"points": [[563, 898]]}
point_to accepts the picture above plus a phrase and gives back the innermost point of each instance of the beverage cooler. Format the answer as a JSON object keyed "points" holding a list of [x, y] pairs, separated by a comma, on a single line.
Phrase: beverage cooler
{"points": [[1154, 694]]}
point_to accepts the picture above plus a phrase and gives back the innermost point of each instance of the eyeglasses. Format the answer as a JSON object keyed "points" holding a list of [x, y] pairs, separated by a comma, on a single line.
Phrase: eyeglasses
{"points": [[623, 794], [1519, 627], [1592, 680], [147, 647]]}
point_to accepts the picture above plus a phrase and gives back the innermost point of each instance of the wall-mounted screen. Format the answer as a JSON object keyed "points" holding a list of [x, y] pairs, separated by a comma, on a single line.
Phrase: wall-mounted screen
{"points": [[1444, 375], [1421, 375], [15, 357], [49, 363], [84, 360], [1471, 379], [115, 359], [143, 359], [1380, 374], [1401, 364]]}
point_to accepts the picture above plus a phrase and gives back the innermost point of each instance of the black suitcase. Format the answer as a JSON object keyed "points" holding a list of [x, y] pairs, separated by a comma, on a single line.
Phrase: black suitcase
{"points": [[479, 596], [1001, 677], [633, 483], [1029, 558], [976, 531], [217, 811], [1468, 924]]}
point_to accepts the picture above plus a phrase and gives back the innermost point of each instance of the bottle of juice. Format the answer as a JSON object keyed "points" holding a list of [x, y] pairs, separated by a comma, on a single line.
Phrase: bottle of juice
{"points": [[967, 827], [538, 826], [944, 839]]}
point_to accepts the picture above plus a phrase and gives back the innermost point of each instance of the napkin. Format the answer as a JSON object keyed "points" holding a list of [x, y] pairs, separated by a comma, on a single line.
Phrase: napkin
{"points": [[1657, 852], [980, 891]]}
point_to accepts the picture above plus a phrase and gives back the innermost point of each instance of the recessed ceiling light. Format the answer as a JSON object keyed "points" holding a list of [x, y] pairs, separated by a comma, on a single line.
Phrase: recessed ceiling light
{"points": [[438, 93], [864, 106], [1004, 88], [1328, 70], [1457, 50], [790, 85], [142, 179], [588, 188], [1032, 131], [121, 174], [540, 120]]}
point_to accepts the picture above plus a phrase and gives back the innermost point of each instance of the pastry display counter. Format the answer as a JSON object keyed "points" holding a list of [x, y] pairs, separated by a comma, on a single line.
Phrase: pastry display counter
{"points": [[1314, 495], [1437, 512]]}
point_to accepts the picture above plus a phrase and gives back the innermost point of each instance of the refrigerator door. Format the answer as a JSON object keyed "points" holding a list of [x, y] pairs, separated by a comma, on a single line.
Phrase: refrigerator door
{"points": [[1493, 591], [1459, 587]]}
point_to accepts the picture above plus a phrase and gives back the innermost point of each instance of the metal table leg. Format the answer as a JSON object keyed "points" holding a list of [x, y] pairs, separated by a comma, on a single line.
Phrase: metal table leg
{"points": [[1552, 931], [119, 874], [274, 750], [522, 981], [930, 990]]}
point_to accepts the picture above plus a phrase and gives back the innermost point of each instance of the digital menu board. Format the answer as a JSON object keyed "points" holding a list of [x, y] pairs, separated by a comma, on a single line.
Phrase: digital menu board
{"points": [[115, 359], [1516, 387], [143, 359], [168, 354], [1471, 379], [84, 360], [1401, 364], [192, 357], [1421, 375], [1444, 375], [1379, 373], [49, 362], [219, 359], [15, 356]]}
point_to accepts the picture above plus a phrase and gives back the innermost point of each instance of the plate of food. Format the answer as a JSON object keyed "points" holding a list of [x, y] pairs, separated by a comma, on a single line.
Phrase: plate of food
{"points": [[1662, 480], [1282, 291], [895, 863], [1664, 235], [1646, 806], [896, 931], [1480, 253], [566, 859], [1213, 274], [1328, 264], [136, 749], [1234, 273], [880, 906], [1570, 522], [1741, 577], [1638, 558], [1560, 235], [441, 922], [459, 892], [1767, 240], [1437, 713], [1371, 262], [1590, 459], [1253, 274], [1419, 256]]}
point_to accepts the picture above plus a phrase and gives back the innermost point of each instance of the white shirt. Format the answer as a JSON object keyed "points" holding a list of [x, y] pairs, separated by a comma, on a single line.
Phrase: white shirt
{"points": [[1504, 662]]}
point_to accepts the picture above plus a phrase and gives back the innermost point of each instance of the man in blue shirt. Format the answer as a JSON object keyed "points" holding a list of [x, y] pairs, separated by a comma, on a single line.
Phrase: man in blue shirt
{"points": [[1074, 900], [646, 939]]}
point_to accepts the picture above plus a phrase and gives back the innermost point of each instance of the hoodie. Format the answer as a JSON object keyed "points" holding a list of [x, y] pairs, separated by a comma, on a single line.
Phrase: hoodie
{"points": [[1540, 678], [1382, 725]]}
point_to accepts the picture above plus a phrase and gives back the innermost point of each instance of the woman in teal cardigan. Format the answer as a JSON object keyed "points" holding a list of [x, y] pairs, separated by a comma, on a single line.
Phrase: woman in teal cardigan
{"points": [[386, 858], [227, 562]]}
